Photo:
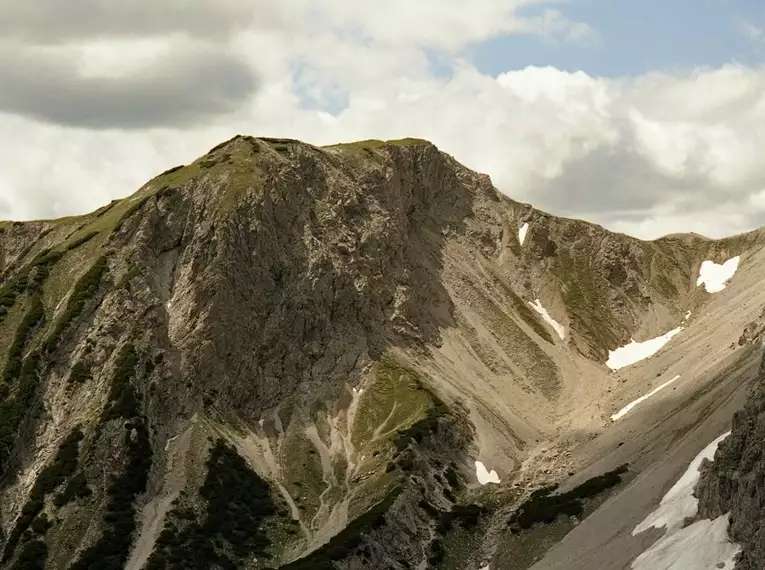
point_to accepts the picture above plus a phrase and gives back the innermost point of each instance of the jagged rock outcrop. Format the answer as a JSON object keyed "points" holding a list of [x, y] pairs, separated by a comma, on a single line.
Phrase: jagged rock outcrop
{"points": [[735, 482]]}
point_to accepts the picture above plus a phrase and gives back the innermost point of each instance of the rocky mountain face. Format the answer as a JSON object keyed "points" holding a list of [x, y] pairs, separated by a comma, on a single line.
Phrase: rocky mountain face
{"points": [[735, 481], [284, 356]]}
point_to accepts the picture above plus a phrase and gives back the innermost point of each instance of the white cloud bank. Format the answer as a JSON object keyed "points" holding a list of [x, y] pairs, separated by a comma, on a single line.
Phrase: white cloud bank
{"points": [[647, 155]]}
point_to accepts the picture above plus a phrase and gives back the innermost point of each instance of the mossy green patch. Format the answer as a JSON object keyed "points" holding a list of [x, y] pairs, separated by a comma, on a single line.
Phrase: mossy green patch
{"points": [[302, 473], [84, 290], [8, 327], [67, 271], [372, 144], [394, 400], [348, 540]]}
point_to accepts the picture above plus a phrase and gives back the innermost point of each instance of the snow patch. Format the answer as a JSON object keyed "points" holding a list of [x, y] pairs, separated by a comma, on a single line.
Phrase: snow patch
{"points": [[704, 544], [559, 328], [522, 233], [715, 277], [621, 413], [679, 501], [687, 316], [637, 351], [484, 476]]}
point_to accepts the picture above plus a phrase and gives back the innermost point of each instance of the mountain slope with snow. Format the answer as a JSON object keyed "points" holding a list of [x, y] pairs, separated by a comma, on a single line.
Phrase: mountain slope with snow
{"points": [[363, 355]]}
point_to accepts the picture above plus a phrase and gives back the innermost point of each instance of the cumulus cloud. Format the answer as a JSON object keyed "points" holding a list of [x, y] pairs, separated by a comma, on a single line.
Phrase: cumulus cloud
{"points": [[649, 155], [180, 87]]}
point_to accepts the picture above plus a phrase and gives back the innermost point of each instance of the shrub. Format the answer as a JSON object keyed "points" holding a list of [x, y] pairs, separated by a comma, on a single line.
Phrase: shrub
{"points": [[238, 503], [545, 508], [79, 373], [111, 550], [32, 556], [63, 466], [123, 400], [85, 289], [12, 411], [77, 488], [33, 317]]}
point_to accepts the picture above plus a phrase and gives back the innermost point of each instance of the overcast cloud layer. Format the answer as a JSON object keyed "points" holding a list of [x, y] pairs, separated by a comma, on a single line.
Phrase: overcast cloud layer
{"points": [[97, 98]]}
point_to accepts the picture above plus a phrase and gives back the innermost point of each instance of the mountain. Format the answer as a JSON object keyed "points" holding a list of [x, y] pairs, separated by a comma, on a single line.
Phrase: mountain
{"points": [[362, 355]]}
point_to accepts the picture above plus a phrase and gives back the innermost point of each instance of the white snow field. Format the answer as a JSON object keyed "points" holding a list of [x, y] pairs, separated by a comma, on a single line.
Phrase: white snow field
{"points": [[715, 277], [679, 501], [559, 328], [701, 545], [637, 351], [522, 233], [485, 476], [625, 410]]}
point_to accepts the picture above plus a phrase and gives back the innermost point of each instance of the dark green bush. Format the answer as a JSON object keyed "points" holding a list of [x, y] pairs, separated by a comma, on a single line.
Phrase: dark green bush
{"points": [[238, 503], [110, 551], [32, 556], [41, 524], [13, 409], [77, 488], [32, 319], [79, 373], [85, 289], [123, 400], [42, 265], [542, 507], [63, 466]]}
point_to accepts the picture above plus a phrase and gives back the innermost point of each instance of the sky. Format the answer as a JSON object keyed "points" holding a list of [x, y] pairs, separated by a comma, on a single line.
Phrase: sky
{"points": [[646, 117]]}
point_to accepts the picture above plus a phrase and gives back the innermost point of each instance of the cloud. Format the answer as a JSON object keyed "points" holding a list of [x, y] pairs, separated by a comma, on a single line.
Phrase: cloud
{"points": [[52, 22], [94, 111], [184, 85]]}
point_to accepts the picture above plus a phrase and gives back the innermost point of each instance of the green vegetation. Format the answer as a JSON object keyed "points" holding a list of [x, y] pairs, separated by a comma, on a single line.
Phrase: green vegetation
{"points": [[84, 290], [13, 409], [173, 169], [123, 400], [303, 475], [349, 539], [395, 401], [130, 210], [111, 550], [63, 466], [542, 507], [32, 319], [79, 373], [9, 292], [371, 144], [32, 557], [82, 240], [232, 532], [77, 488]]}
